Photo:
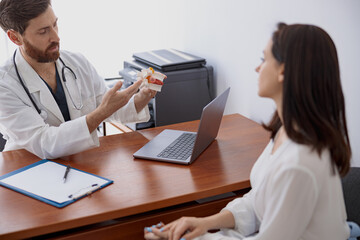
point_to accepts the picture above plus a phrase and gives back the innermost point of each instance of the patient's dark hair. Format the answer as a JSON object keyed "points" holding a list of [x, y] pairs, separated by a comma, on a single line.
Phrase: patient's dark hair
{"points": [[16, 14], [313, 102]]}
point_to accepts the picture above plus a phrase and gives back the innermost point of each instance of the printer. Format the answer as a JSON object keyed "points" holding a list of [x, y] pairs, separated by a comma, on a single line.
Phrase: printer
{"points": [[186, 90]]}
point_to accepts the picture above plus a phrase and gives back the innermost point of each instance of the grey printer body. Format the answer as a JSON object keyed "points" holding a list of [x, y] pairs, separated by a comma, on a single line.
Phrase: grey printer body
{"points": [[184, 93]]}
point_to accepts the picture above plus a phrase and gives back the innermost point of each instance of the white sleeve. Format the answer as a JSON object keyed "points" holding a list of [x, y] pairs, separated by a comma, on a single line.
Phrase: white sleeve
{"points": [[126, 114], [28, 130], [290, 202], [246, 222], [63, 140]]}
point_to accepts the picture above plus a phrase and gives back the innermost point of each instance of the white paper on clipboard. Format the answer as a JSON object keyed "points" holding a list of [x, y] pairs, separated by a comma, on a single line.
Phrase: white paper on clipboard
{"points": [[46, 180]]}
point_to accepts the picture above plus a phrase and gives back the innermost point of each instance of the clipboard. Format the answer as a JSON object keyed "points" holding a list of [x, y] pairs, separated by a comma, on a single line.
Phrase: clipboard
{"points": [[43, 181]]}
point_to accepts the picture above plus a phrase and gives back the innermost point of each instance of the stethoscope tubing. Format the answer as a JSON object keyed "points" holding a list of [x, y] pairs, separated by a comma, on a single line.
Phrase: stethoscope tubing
{"points": [[63, 78], [23, 85]]}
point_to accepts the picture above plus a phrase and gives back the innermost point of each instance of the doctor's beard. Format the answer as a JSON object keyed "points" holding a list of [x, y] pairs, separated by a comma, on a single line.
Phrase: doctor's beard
{"points": [[40, 56]]}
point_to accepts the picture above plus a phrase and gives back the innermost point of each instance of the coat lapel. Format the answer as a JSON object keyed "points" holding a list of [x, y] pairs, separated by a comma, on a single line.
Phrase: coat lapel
{"points": [[37, 87]]}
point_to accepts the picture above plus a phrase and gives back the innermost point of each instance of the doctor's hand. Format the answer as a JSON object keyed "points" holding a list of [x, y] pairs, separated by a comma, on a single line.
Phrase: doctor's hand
{"points": [[112, 101], [143, 97]]}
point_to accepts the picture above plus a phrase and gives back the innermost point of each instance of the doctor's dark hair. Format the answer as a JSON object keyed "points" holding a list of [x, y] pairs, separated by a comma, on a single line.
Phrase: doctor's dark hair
{"points": [[16, 14], [313, 102]]}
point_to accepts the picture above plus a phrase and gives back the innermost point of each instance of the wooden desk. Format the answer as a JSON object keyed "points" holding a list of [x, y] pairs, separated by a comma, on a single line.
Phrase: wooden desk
{"points": [[144, 192]]}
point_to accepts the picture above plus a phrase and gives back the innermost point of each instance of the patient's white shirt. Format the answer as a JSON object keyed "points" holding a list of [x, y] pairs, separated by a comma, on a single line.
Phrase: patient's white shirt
{"points": [[294, 195]]}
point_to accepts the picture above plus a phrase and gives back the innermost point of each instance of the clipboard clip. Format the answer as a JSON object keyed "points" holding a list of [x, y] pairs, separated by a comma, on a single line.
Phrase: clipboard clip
{"points": [[84, 191]]}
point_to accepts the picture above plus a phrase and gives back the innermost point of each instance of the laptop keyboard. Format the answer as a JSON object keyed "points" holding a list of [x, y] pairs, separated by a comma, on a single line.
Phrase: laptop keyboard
{"points": [[181, 148]]}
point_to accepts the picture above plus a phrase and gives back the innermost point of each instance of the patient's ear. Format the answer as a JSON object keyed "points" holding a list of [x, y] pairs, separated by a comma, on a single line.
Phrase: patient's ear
{"points": [[281, 73], [15, 37]]}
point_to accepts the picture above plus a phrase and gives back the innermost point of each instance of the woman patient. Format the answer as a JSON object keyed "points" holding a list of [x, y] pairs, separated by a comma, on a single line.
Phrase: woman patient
{"points": [[296, 189]]}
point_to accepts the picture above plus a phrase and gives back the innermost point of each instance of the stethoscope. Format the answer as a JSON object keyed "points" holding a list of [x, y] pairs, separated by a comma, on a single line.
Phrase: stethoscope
{"points": [[63, 69]]}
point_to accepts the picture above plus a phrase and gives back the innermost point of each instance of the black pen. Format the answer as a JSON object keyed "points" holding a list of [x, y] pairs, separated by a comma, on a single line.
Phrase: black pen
{"points": [[66, 172]]}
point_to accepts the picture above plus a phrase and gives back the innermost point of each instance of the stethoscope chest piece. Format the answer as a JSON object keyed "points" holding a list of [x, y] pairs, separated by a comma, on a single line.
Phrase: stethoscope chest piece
{"points": [[43, 114]]}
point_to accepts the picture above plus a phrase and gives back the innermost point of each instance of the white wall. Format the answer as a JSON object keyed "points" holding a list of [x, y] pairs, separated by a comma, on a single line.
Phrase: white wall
{"points": [[230, 34], [110, 31]]}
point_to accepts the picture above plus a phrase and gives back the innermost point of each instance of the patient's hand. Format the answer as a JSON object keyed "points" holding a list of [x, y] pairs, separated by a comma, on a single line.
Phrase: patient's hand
{"points": [[155, 232]]}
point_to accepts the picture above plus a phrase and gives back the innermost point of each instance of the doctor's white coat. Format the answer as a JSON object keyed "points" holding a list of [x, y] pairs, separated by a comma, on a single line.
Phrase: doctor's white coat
{"points": [[47, 134]]}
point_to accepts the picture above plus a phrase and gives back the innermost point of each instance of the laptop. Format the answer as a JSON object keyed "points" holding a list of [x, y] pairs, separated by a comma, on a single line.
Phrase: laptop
{"points": [[164, 147], [169, 59]]}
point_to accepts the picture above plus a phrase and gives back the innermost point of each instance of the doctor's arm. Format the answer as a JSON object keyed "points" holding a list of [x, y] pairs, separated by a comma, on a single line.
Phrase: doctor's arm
{"points": [[112, 101], [143, 97], [25, 128]]}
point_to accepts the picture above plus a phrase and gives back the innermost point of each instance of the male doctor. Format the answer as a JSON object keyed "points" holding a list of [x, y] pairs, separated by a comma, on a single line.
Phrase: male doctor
{"points": [[52, 101]]}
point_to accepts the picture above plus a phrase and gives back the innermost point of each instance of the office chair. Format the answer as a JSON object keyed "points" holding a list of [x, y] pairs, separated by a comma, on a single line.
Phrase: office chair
{"points": [[2, 143], [351, 189]]}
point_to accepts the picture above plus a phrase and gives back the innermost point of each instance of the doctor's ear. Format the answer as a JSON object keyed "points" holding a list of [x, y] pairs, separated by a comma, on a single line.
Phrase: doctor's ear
{"points": [[15, 37]]}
